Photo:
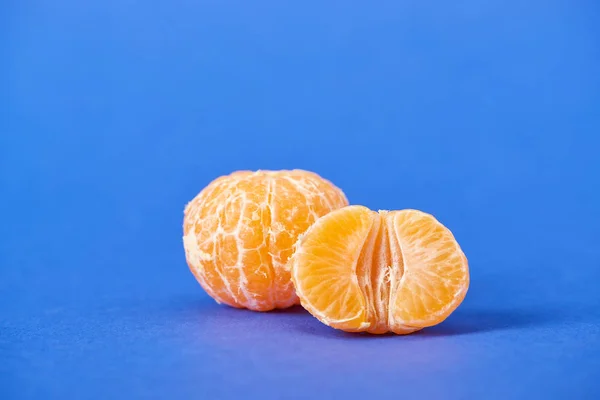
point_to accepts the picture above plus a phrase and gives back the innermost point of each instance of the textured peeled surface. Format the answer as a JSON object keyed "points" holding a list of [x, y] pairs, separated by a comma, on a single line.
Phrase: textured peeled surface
{"points": [[240, 230]]}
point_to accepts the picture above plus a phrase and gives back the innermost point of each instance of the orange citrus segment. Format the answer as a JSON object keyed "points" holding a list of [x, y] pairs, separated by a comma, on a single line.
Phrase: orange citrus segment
{"points": [[436, 275], [325, 267], [399, 271]]}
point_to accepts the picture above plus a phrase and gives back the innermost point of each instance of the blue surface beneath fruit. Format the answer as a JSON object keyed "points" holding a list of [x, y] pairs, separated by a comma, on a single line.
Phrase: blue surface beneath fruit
{"points": [[484, 114]]}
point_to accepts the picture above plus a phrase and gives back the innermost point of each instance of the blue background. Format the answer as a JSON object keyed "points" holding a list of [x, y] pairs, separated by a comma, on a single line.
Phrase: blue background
{"points": [[117, 112]]}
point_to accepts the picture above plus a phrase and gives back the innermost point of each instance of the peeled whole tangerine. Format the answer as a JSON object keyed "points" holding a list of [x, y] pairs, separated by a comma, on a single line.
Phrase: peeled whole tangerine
{"points": [[358, 270], [240, 230]]}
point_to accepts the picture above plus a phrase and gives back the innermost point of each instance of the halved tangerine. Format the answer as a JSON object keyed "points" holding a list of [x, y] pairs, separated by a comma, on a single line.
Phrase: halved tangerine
{"points": [[360, 270]]}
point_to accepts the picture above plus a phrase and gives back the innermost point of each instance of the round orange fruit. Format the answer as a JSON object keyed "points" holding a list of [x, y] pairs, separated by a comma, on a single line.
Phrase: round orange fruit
{"points": [[390, 271], [240, 231]]}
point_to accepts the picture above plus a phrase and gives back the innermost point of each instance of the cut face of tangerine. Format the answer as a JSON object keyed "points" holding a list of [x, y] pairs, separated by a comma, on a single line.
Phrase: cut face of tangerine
{"points": [[400, 271], [239, 232]]}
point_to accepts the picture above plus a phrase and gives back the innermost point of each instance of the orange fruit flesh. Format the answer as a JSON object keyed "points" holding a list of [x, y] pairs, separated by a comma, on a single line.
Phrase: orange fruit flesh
{"points": [[240, 230], [399, 271]]}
